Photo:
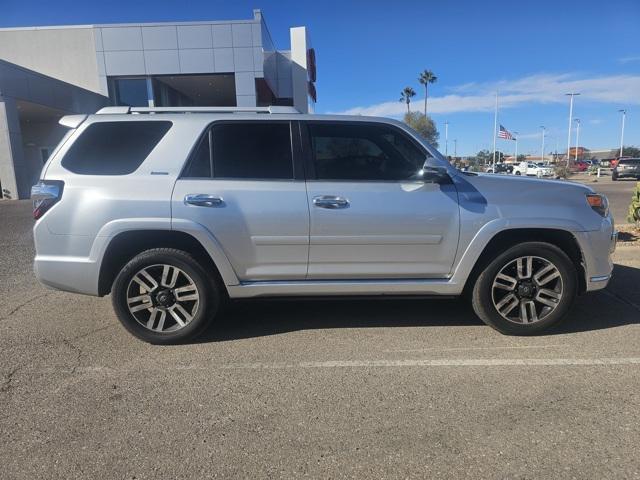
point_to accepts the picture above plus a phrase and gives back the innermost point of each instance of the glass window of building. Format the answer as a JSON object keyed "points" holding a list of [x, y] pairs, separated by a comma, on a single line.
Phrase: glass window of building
{"points": [[130, 92]]}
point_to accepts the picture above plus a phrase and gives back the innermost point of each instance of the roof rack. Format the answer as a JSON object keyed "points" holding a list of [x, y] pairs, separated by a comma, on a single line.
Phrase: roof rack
{"points": [[126, 110]]}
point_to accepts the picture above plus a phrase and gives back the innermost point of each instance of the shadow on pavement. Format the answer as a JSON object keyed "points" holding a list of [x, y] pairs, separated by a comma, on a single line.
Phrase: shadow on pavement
{"points": [[617, 305], [257, 318], [611, 308]]}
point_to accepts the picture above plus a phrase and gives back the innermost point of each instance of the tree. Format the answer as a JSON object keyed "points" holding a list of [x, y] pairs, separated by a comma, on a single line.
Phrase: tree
{"points": [[630, 152], [485, 157], [424, 126], [406, 95], [425, 79]]}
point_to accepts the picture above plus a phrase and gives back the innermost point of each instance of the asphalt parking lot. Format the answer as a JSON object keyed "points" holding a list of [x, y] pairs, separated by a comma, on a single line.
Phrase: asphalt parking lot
{"points": [[322, 389]]}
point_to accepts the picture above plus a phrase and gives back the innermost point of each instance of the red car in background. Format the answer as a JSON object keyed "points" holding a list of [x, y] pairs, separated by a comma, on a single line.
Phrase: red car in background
{"points": [[579, 166]]}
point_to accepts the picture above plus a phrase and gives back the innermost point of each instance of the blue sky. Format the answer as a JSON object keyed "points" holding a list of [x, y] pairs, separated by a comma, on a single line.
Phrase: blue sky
{"points": [[367, 51]]}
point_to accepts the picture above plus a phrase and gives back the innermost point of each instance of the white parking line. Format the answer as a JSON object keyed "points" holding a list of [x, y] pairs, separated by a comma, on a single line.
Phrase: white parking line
{"points": [[447, 349], [464, 362], [443, 362]]}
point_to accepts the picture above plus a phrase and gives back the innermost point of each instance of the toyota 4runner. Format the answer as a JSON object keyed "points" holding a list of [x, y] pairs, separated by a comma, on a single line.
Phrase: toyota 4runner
{"points": [[172, 212]]}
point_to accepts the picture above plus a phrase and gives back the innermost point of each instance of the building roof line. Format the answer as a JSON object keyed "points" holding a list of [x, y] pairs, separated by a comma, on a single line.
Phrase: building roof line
{"points": [[256, 19]]}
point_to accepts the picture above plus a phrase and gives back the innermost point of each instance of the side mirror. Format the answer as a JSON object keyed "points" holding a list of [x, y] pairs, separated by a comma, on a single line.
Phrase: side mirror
{"points": [[431, 174]]}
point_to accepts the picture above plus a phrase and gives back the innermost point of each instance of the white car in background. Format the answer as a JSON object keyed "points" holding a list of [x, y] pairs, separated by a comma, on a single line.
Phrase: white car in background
{"points": [[532, 169]]}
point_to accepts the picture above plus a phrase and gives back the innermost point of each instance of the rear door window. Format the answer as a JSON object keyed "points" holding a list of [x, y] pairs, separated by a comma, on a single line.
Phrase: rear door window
{"points": [[243, 150], [200, 163], [252, 150], [114, 148]]}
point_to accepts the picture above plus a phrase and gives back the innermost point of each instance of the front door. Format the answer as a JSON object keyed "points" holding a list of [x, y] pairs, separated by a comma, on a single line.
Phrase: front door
{"points": [[241, 185], [372, 215]]}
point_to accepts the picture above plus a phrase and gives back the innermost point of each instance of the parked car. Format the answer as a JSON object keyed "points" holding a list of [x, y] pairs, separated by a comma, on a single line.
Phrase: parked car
{"points": [[579, 166], [614, 161], [173, 214], [607, 162], [626, 168], [531, 168], [501, 168]]}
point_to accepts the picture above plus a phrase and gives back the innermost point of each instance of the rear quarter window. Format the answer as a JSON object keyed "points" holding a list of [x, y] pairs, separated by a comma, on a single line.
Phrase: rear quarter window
{"points": [[114, 148]]}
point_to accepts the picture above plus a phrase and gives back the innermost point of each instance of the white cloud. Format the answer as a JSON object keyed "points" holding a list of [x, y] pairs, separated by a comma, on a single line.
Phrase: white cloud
{"points": [[524, 136], [629, 59], [542, 88]]}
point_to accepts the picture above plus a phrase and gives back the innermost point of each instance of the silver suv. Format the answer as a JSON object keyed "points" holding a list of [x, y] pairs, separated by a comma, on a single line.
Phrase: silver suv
{"points": [[173, 212]]}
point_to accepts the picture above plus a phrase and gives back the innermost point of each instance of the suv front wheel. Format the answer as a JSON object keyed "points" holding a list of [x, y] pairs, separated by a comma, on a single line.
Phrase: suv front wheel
{"points": [[164, 296], [526, 289]]}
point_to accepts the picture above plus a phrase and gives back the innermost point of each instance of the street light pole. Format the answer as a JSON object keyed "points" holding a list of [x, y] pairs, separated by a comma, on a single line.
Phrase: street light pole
{"points": [[542, 152], [624, 114], [495, 132], [571, 95], [577, 137], [515, 137], [455, 148], [446, 139]]}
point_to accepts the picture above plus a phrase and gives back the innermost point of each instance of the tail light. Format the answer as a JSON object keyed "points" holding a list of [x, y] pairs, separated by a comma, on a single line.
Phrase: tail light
{"points": [[45, 194]]}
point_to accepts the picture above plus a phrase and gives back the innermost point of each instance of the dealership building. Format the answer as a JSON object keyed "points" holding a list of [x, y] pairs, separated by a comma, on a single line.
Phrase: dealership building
{"points": [[48, 72]]}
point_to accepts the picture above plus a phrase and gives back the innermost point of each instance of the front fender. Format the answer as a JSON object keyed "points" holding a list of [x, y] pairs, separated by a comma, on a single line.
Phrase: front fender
{"points": [[467, 258]]}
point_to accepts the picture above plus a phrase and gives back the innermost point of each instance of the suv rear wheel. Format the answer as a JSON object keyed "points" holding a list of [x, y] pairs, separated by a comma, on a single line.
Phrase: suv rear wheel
{"points": [[526, 289], [163, 296]]}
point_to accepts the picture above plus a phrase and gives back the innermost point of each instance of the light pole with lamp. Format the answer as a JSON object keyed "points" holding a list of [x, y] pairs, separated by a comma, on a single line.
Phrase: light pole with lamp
{"points": [[446, 139], [571, 95], [543, 135], [515, 157], [577, 120], [624, 114]]}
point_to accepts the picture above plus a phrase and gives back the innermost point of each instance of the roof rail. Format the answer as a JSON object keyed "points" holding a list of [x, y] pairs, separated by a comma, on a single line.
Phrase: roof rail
{"points": [[113, 110], [125, 110], [72, 121]]}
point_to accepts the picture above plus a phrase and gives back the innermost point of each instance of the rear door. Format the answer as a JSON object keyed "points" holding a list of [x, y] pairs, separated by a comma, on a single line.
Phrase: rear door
{"points": [[245, 184], [372, 215]]}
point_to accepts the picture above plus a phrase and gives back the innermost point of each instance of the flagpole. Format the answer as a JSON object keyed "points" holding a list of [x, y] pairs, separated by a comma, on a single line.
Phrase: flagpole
{"points": [[446, 139], [495, 132]]}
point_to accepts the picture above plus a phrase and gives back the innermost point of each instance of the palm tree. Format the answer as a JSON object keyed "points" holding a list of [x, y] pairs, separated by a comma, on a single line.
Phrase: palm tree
{"points": [[425, 79], [406, 95]]}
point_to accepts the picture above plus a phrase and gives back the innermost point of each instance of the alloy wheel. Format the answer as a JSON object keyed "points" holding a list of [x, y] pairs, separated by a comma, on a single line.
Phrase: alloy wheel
{"points": [[527, 290], [162, 298]]}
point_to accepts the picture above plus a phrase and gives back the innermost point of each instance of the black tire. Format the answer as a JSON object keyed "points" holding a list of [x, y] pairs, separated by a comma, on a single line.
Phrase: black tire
{"points": [[483, 304], [207, 289], [614, 177], [518, 173]]}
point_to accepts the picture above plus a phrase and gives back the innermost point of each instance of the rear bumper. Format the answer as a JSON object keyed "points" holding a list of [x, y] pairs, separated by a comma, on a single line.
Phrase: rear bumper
{"points": [[64, 262], [71, 274]]}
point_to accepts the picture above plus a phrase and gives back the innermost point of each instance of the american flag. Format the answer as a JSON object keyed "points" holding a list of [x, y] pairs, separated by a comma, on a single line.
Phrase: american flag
{"points": [[504, 133]]}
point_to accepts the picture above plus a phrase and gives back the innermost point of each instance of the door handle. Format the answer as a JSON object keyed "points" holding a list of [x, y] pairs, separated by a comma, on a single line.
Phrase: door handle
{"points": [[331, 202], [203, 200]]}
